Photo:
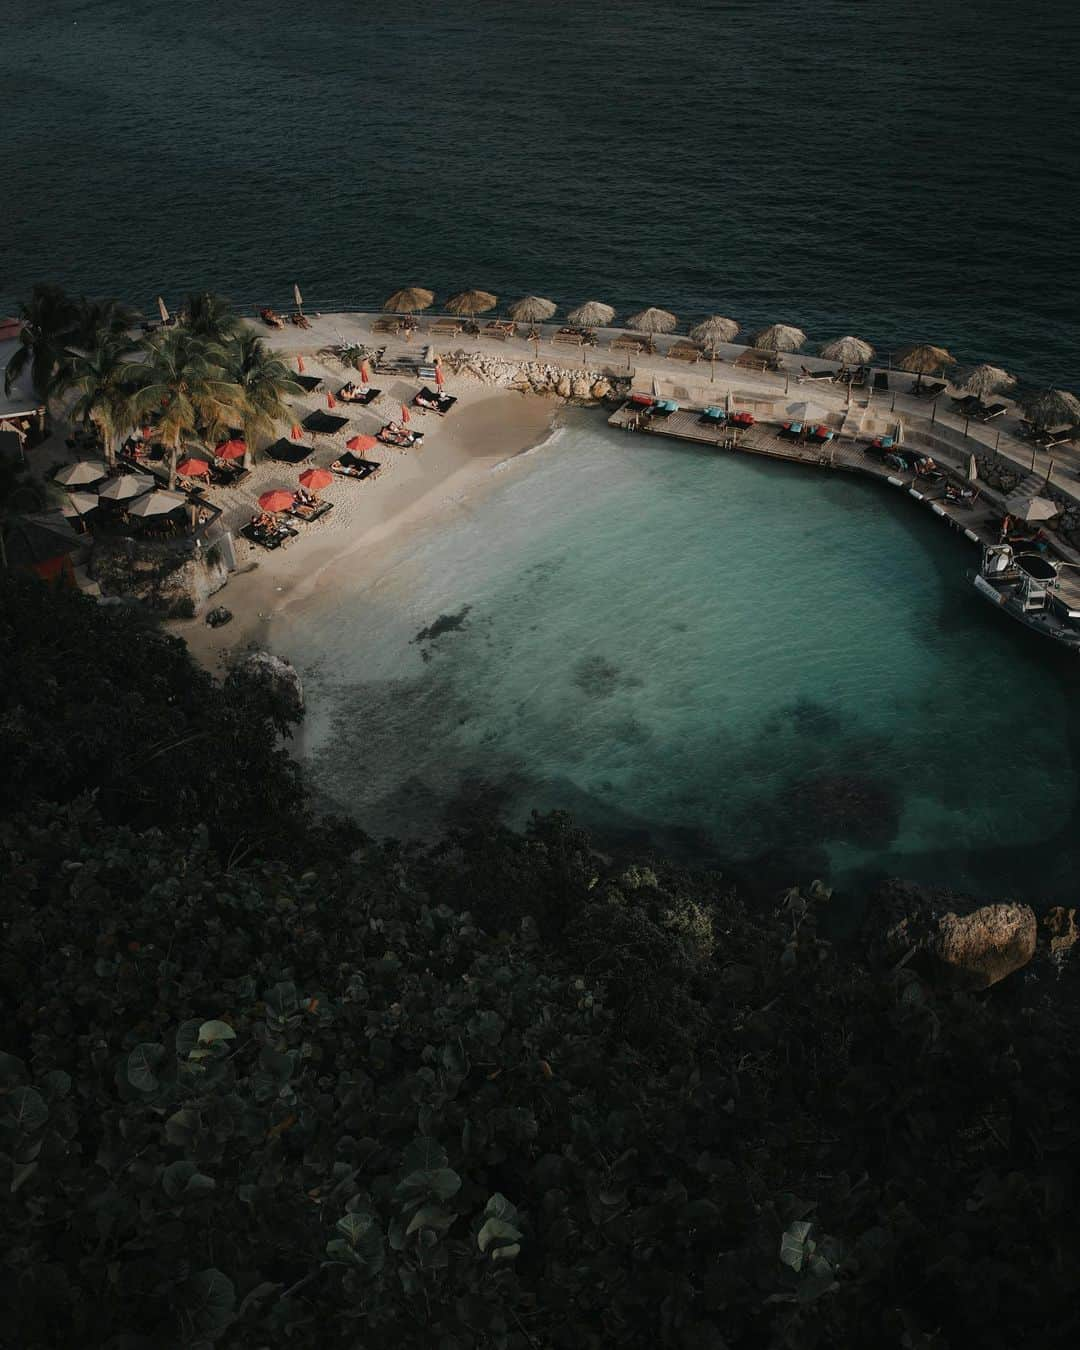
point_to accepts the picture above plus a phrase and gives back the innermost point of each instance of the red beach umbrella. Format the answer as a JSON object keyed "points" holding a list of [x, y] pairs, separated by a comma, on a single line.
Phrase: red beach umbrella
{"points": [[231, 450], [193, 468], [404, 413], [277, 499], [300, 364], [331, 402], [361, 443], [316, 479], [439, 377], [365, 374], [297, 432]]}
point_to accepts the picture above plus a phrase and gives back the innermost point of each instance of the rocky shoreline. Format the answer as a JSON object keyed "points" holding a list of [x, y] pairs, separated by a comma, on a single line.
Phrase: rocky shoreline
{"points": [[538, 377]]}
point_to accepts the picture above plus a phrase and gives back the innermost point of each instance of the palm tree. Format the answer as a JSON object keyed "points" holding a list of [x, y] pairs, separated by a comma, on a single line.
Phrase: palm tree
{"points": [[211, 316], [48, 319], [104, 379], [265, 384], [182, 379], [97, 319]]}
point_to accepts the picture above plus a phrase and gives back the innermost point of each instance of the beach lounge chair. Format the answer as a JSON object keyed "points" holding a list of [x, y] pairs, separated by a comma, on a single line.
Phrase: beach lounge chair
{"points": [[684, 350], [881, 382], [270, 537], [430, 401], [805, 373], [930, 391], [446, 327], [310, 384], [713, 415], [499, 328], [1059, 436], [323, 423], [990, 411], [572, 337], [968, 405], [755, 359], [357, 394], [742, 419], [633, 342], [290, 452], [310, 512], [399, 437], [300, 320], [352, 466], [388, 324], [271, 318]]}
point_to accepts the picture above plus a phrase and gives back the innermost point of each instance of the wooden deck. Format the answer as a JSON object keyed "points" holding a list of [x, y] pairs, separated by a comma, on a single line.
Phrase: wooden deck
{"points": [[978, 523]]}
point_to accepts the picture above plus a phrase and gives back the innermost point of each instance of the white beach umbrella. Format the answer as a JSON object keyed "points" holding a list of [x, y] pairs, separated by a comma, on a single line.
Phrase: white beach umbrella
{"points": [[126, 485], [1032, 508], [79, 504], [778, 337], [297, 296], [82, 472], [157, 503], [162, 310], [972, 469], [851, 351]]}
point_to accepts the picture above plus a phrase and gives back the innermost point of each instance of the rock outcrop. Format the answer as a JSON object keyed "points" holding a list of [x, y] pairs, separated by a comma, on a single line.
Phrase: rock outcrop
{"points": [[961, 943], [538, 377], [171, 581], [272, 678]]}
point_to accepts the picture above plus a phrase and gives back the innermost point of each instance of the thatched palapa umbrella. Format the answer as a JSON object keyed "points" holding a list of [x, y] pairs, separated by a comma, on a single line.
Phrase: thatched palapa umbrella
{"points": [[711, 332], [471, 303], [922, 358], [409, 300], [983, 380], [1052, 407], [592, 314], [778, 337], [652, 320], [849, 351], [533, 309]]}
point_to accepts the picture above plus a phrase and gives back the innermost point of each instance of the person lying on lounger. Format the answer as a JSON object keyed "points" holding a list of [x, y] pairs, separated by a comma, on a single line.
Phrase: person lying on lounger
{"points": [[270, 318]]}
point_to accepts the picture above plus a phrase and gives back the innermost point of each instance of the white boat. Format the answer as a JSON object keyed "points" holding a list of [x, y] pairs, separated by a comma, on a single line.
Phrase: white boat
{"points": [[1028, 586]]}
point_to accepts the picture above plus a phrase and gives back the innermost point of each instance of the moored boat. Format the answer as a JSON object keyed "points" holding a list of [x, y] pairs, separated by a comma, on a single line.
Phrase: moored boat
{"points": [[1029, 587]]}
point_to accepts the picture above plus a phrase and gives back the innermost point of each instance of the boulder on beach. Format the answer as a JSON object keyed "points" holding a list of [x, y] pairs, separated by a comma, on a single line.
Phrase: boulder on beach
{"points": [[272, 678], [960, 942]]}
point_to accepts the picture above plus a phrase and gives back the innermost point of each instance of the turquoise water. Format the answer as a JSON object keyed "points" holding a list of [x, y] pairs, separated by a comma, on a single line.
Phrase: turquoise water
{"points": [[905, 172], [732, 661]]}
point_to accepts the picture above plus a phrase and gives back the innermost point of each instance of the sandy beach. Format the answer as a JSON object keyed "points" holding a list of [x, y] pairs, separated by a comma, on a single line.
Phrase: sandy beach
{"points": [[485, 428]]}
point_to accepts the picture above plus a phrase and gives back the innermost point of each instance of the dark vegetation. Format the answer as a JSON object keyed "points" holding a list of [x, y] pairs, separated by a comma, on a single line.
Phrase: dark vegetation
{"points": [[267, 1083]]}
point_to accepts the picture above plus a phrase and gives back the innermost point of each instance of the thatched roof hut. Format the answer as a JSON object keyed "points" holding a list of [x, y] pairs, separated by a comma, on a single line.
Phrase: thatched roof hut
{"points": [[850, 351], [408, 300], [533, 309], [652, 320], [713, 331], [922, 358], [470, 303], [778, 337], [592, 314], [983, 380], [1052, 408]]}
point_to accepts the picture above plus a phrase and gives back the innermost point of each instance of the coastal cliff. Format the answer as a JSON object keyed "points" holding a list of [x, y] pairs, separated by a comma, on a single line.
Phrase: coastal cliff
{"points": [[539, 377]]}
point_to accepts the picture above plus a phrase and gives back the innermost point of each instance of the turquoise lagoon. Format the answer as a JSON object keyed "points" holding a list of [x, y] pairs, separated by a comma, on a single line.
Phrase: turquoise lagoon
{"points": [[743, 663]]}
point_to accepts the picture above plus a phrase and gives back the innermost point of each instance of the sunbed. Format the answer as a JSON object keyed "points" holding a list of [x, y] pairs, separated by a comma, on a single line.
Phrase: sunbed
{"points": [[634, 342], [968, 404], [401, 439], [573, 337], [990, 411], [499, 328], [754, 358], [684, 350], [311, 512], [352, 466], [389, 325], [265, 538], [930, 390], [447, 327], [290, 452], [323, 423], [434, 402], [308, 383], [805, 373], [271, 318], [881, 382], [360, 398], [1059, 436]]}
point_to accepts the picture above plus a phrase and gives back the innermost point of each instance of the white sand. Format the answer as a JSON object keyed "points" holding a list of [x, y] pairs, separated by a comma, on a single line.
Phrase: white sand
{"points": [[484, 429]]}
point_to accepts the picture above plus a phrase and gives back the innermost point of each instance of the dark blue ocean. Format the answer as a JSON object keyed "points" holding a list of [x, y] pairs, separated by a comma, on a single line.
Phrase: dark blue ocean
{"points": [[900, 172]]}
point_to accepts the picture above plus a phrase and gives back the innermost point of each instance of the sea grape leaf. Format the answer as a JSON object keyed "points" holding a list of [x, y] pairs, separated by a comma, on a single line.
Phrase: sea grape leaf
{"points": [[424, 1155], [213, 1031], [431, 1216], [182, 1127], [208, 1300], [440, 1183], [793, 1244], [364, 1239], [141, 1064], [497, 1230], [25, 1109], [498, 1207]]}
